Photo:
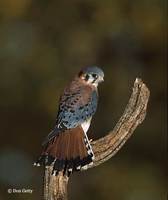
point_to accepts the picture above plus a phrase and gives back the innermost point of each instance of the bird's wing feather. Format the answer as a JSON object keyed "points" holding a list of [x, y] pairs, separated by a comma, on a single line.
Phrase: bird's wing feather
{"points": [[77, 105]]}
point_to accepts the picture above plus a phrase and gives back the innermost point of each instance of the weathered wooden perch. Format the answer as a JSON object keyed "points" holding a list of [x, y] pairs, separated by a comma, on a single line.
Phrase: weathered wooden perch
{"points": [[55, 187]]}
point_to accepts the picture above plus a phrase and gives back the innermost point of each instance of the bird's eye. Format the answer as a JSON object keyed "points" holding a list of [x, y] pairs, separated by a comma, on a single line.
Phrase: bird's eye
{"points": [[95, 76]]}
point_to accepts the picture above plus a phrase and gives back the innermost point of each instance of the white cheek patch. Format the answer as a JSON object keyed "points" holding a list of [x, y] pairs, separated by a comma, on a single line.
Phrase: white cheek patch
{"points": [[92, 81], [95, 84]]}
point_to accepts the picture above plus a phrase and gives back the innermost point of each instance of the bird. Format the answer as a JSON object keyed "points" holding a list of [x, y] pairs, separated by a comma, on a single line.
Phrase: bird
{"points": [[67, 147]]}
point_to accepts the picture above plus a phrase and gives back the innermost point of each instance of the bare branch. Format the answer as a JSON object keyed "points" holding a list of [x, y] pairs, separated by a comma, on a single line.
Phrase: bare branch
{"points": [[55, 188]]}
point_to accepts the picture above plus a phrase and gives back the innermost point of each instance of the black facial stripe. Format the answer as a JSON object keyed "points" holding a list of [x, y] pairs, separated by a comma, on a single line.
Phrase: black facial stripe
{"points": [[86, 77], [80, 73], [95, 78]]}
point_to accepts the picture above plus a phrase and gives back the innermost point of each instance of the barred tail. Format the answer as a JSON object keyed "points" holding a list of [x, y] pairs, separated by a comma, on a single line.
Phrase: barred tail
{"points": [[69, 151]]}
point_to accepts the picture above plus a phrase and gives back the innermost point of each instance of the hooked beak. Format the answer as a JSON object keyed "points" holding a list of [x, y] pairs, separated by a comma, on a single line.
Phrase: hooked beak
{"points": [[101, 79]]}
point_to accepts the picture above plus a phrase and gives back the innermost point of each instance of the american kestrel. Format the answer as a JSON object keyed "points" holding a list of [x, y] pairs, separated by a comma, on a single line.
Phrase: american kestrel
{"points": [[67, 146]]}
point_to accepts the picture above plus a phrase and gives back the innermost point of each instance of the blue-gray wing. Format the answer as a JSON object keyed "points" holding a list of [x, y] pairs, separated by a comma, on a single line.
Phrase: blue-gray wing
{"points": [[76, 106], [76, 110]]}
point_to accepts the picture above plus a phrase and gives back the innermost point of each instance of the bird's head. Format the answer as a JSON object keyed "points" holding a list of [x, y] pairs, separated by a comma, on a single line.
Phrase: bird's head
{"points": [[92, 75]]}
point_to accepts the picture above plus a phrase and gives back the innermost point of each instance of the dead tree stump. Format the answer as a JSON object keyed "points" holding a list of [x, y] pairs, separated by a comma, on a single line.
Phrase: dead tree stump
{"points": [[55, 187]]}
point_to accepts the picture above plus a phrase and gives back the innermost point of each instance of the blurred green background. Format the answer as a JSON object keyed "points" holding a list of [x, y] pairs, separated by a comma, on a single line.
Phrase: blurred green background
{"points": [[43, 43]]}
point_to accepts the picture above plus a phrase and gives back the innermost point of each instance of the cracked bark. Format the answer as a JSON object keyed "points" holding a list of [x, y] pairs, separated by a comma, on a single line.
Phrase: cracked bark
{"points": [[55, 187]]}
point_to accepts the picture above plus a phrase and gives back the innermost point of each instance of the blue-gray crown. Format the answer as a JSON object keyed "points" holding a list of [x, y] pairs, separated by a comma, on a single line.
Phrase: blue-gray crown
{"points": [[93, 70]]}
